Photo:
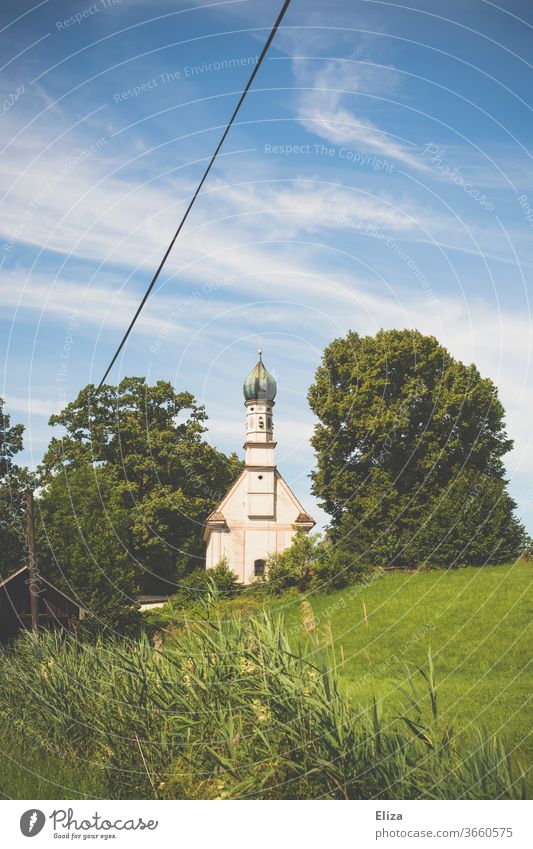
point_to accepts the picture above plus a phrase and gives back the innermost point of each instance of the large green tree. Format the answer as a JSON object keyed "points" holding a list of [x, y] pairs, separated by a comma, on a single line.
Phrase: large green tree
{"points": [[84, 535], [10, 441], [14, 482], [152, 438], [409, 450]]}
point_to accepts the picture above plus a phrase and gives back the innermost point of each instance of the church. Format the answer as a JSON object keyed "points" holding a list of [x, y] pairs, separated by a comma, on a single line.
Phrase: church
{"points": [[260, 514]]}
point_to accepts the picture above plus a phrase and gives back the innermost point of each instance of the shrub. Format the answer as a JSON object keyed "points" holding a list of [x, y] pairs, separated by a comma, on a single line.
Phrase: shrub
{"points": [[196, 586], [337, 568], [311, 561], [295, 566]]}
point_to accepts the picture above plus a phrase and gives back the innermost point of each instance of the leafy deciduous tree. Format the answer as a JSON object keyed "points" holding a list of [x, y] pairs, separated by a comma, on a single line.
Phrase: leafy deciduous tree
{"points": [[14, 482], [152, 436], [83, 532], [409, 450]]}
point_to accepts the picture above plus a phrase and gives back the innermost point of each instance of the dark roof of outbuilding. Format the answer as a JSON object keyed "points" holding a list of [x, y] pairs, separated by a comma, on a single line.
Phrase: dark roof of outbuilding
{"points": [[40, 578]]}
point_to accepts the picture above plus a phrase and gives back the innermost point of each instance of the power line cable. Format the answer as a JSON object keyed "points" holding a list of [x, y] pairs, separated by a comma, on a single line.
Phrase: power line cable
{"points": [[196, 193]]}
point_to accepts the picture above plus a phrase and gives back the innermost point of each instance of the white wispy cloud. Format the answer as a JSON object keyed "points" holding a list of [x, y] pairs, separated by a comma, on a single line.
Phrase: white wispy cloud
{"points": [[324, 112]]}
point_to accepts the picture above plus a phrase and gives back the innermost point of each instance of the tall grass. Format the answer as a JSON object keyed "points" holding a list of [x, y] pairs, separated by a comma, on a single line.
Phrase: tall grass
{"points": [[230, 710], [31, 771]]}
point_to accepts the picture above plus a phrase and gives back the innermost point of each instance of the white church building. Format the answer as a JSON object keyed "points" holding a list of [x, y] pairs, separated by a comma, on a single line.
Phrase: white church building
{"points": [[260, 514]]}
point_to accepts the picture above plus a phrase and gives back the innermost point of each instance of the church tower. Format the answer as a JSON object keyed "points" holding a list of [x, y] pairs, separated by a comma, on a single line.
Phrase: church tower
{"points": [[260, 514], [259, 392]]}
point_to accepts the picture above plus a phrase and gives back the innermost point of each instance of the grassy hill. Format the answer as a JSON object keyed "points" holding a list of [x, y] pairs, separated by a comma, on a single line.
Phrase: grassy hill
{"points": [[475, 621]]}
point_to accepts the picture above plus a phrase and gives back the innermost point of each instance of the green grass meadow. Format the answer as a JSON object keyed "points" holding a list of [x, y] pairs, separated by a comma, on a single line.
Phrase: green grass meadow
{"points": [[475, 621]]}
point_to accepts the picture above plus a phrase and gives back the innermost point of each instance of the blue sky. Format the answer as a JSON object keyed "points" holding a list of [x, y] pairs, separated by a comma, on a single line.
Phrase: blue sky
{"points": [[378, 176]]}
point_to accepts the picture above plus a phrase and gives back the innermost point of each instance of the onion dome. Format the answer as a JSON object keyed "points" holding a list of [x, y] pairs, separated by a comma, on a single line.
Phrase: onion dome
{"points": [[259, 385]]}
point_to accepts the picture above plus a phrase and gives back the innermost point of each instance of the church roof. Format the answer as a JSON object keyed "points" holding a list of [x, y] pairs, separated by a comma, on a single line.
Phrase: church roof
{"points": [[259, 385], [304, 519], [215, 517]]}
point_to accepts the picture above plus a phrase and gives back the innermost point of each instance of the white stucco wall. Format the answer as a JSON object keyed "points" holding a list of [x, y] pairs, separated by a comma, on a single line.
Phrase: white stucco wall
{"points": [[246, 539]]}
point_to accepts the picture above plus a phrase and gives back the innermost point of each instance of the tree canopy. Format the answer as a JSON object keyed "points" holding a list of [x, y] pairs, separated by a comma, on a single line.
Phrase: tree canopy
{"points": [[409, 448], [10, 441], [14, 481], [84, 542], [150, 439]]}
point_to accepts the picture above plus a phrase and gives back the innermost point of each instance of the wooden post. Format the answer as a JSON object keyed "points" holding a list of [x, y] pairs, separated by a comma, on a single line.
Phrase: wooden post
{"points": [[32, 567]]}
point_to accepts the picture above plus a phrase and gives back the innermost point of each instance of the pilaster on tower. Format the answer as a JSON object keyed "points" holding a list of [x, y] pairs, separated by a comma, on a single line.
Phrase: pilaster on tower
{"points": [[259, 392], [260, 442]]}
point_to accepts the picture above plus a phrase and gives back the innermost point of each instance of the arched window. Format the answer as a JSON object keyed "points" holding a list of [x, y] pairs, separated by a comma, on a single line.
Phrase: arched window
{"points": [[259, 568]]}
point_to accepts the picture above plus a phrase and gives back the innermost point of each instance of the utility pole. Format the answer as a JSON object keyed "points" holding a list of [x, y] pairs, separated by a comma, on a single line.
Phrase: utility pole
{"points": [[32, 567]]}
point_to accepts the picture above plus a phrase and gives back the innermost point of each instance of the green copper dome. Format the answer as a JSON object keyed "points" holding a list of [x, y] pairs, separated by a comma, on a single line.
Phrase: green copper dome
{"points": [[259, 385]]}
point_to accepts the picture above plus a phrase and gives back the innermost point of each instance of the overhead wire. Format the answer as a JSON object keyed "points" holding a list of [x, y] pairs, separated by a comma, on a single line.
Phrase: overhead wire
{"points": [[196, 193]]}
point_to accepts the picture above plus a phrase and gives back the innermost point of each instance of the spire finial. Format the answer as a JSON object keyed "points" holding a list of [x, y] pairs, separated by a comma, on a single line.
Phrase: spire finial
{"points": [[260, 348]]}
